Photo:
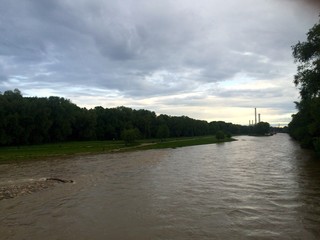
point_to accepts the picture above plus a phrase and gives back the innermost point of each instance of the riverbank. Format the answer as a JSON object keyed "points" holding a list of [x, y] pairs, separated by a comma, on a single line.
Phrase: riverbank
{"points": [[183, 193], [68, 149]]}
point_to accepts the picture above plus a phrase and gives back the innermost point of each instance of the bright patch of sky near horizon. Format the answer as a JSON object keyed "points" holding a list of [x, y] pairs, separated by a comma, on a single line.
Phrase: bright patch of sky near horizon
{"points": [[203, 59]]}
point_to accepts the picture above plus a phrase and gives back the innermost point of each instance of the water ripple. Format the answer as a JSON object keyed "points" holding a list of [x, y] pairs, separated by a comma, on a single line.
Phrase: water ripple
{"points": [[255, 188]]}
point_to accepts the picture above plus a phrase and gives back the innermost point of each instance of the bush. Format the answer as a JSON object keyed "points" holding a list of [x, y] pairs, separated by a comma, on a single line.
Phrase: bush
{"points": [[220, 135], [129, 136]]}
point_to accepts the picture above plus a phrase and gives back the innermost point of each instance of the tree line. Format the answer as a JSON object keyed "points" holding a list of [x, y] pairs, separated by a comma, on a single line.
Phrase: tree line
{"points": [[34, 120], [305, 124]]}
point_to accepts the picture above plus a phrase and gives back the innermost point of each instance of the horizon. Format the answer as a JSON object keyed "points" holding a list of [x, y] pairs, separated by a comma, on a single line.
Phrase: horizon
{"points": [[157, 114]]}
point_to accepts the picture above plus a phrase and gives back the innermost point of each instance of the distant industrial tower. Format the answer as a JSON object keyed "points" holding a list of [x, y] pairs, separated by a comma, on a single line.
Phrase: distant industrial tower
{"points": [[256, 120], [255, 115]]}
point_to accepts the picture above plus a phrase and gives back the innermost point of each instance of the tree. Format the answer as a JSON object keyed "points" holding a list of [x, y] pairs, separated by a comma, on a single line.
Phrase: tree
{"points": [[261, 128], [305, 125], [62, 113], [129, 136], [163, 132], [84, 125], [307, 55], [33, 120], [220, 135]]}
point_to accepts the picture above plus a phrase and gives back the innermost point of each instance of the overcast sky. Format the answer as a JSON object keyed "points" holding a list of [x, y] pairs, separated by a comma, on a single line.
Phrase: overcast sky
{"points": [[206, 59]]}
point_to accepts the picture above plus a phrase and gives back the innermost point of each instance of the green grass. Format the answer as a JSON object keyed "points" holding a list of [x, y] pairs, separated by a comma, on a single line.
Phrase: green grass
{"points": [[36, 152], [184, 142], [58, 150]]}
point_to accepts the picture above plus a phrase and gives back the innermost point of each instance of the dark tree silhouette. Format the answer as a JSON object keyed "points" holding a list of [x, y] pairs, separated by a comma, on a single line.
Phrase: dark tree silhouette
{"points": [[305, 125]]}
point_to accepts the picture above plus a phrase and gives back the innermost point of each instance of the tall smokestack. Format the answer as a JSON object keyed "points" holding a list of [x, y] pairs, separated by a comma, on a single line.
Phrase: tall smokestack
{"points": [[255, 115], [259, 117]]}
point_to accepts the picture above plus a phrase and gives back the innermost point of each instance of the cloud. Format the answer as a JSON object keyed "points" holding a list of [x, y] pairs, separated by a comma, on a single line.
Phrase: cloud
{"points": [[131, 51]]}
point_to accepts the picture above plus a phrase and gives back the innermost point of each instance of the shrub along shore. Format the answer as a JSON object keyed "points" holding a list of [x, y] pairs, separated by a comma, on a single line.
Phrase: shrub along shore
{"points": [[69, 149]]}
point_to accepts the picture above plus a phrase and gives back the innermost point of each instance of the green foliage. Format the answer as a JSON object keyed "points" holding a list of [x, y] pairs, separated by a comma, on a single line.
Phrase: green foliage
{"points": [[220, 135], [305, 125], [307, 55], [261, 128], [129, 136], [29, 121], [163, 132]]}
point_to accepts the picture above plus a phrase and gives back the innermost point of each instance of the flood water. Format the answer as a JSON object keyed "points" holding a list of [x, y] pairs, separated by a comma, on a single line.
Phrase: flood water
{"points": [[254, 188]]}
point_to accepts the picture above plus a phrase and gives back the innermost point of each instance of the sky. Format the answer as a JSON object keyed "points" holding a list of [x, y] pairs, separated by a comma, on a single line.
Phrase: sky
{"points": [[206, 59]]}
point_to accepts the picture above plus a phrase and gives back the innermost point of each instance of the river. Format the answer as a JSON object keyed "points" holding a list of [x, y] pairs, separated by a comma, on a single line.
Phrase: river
{"points": [[253, 188]]}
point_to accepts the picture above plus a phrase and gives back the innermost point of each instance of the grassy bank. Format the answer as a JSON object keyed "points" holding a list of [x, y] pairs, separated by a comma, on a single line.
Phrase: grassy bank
{"points": [[183, 142], [94, 147]]}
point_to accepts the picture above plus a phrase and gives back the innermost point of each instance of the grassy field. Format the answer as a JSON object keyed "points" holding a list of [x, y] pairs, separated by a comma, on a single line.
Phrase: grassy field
{"points": [[94, 147]]}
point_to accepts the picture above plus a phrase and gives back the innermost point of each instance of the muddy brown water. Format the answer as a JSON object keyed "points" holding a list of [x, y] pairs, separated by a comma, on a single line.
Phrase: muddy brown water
{"points": [[254, 188]]}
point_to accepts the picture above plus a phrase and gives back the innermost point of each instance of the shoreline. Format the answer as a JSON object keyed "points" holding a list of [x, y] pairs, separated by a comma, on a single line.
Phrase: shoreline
{"points": [[15, 189], [69, 149]]}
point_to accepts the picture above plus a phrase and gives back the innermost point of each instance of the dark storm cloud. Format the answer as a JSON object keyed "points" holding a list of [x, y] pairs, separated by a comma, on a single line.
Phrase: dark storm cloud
{"points": [[143, 49], [315, 3], [3, 76], [160, 39]]}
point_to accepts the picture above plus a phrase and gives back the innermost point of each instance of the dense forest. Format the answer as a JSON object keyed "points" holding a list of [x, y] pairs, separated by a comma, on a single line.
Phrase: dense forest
{"points": [[33, 120], [305, 125]]}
